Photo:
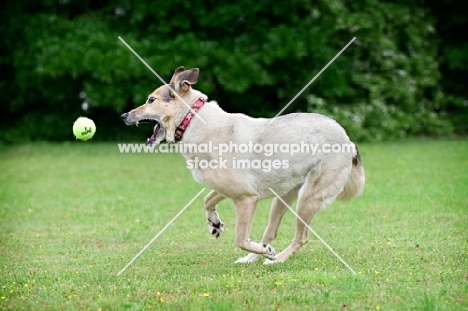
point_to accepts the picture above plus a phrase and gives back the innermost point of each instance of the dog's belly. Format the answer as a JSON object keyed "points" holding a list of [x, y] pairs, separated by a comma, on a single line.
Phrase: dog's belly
{"points": [[230, 183], [282, 181], [234, 183]]}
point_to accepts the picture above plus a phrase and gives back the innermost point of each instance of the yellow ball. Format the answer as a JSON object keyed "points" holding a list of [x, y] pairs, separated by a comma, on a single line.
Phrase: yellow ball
{"points": [[84, 128]]}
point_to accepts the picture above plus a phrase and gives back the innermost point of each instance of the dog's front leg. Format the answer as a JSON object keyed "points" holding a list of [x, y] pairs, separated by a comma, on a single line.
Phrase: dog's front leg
{"points": [[245, 208], [215, 225]]}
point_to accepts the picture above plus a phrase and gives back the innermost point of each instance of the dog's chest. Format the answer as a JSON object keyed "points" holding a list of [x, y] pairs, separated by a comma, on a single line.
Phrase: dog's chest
{"points": [[199, 177]]}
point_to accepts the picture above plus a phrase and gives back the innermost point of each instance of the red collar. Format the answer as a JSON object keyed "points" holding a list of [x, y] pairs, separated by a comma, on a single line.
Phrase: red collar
{"points": [[186, 121]]}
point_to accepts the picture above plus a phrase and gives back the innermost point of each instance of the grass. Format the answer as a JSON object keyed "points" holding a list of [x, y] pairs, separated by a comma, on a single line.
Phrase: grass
{"points": [[73, 214]]}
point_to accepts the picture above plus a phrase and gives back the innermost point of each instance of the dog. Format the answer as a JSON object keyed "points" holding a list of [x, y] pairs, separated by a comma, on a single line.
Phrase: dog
{"points": [[185, 116]]}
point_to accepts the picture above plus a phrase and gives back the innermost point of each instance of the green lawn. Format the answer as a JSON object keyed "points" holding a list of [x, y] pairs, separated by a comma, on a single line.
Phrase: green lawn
{"points": [[74, 214]]}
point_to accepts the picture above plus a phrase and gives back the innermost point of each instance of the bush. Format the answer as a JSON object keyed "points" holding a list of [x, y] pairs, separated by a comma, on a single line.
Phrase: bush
{"points": [[254, 57]]}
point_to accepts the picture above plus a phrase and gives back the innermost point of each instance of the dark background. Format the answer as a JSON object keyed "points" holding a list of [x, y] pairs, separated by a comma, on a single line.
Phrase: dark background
{"points": [[406, 73]]}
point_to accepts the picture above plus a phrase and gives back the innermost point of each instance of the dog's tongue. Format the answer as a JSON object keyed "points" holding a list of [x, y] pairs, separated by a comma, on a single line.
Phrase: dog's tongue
{"points": [[152, 139]]}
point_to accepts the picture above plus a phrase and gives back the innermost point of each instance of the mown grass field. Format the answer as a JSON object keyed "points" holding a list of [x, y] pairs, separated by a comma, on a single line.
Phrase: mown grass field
{"points": [[74, 214]]}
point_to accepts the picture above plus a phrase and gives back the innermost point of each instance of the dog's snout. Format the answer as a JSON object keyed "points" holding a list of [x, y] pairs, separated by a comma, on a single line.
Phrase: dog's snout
{"points": [[124, 115]]}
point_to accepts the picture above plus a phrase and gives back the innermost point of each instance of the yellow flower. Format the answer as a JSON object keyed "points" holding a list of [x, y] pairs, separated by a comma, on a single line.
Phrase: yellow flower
{"points": [[206, 294]]}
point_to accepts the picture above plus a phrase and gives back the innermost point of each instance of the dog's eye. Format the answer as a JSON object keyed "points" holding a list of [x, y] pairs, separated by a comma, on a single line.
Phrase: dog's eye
{"points": [[150, 100]]}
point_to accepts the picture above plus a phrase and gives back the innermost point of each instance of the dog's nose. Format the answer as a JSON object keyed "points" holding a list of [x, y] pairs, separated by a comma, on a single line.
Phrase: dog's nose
{"points": [[124, 115]]}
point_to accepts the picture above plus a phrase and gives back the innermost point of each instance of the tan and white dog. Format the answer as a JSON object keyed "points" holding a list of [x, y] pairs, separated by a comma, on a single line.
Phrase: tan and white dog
{"points": [[315, 179]]}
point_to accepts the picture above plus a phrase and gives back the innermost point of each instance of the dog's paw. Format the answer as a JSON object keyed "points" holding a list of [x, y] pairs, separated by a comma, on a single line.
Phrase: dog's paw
{"points": [[250, 258], [269, 262], [216, 229], [215, 225], [270, 254]]}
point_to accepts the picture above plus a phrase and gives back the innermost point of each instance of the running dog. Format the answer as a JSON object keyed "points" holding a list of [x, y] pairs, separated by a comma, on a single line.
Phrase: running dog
{"points": [[184, 115]]}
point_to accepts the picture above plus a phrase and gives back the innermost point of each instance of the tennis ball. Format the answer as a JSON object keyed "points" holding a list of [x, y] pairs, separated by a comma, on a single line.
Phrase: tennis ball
{"points": [[84, 128]]}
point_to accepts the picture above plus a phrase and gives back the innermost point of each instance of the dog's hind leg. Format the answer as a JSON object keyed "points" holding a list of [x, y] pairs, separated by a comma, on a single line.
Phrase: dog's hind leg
{"points": [[215, 225], [316, 193], [277, 211], [245, 208]]}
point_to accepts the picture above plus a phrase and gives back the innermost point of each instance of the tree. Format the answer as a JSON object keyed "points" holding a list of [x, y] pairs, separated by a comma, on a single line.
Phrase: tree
{"points": [[254, 57]]}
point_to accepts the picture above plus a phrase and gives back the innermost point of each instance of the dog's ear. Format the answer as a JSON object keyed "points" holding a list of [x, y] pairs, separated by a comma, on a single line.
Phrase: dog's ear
{"points": [[186, 78], [176, 73]]}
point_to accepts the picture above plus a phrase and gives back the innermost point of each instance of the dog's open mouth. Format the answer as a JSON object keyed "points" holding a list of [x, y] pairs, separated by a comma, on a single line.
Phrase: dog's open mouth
{"points": [[158, 133], [154, 135]]}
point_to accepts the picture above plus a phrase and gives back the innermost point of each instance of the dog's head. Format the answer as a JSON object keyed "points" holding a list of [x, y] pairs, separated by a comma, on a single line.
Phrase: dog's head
{"points": [[165, 106]]}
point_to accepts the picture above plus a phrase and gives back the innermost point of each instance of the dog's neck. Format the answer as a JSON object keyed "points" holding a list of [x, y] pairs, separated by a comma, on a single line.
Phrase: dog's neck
{"points": [[188, 118]]}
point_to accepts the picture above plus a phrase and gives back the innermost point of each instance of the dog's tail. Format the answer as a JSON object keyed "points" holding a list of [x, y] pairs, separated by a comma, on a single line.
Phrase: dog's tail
{"points": [[355, 185]]}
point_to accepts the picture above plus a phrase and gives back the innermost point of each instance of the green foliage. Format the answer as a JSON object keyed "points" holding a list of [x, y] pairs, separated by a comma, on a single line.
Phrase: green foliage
{"points": [[453, 52], [393, 77], [254, 57]]}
